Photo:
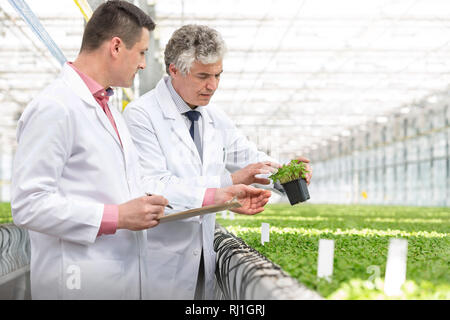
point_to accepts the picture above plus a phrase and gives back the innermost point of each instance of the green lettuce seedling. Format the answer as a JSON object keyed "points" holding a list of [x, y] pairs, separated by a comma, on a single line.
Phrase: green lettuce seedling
{"points": [[289, 172]]}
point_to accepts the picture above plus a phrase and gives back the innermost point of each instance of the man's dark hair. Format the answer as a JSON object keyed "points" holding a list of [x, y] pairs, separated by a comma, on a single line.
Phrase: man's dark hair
{"points": [[115, 19]]}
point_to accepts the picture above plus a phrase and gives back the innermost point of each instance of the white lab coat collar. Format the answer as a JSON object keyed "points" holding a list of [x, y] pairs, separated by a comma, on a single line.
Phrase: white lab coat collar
{"points": [[205, 114], [74, 81]]}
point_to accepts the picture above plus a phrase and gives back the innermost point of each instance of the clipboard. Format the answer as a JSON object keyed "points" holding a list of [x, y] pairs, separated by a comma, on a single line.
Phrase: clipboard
{"points": [[233, 203]]}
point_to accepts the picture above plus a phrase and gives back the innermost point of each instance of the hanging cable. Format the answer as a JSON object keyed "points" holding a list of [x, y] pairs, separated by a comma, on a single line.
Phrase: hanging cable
{"points": [[85, 8], [30, 18], [240, 271]]}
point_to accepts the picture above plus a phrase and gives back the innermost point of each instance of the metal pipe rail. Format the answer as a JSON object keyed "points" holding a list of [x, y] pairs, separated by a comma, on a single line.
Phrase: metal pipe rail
{"points": [[242, 273], [14, 262]]}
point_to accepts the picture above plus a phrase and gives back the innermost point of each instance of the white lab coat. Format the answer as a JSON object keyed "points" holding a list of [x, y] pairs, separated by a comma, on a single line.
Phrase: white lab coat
{"points": [[68, 164], [171, 166]]}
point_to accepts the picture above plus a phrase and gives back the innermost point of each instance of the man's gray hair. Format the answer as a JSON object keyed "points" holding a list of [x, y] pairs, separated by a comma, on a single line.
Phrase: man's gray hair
{"points": [[193, 43]]}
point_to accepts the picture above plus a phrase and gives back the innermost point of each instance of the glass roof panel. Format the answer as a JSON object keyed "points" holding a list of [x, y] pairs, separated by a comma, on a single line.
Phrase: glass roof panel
{"points": [[303, 71]]}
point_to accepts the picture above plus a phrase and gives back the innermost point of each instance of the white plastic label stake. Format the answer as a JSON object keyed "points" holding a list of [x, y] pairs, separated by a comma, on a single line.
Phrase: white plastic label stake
{"points": [[264, 233], [395, 267], [231, 215], [325, 260], [224, 215]]}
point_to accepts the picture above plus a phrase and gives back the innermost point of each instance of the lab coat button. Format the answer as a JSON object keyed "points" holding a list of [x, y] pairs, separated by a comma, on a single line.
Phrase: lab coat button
{"points": [[196, 252]]}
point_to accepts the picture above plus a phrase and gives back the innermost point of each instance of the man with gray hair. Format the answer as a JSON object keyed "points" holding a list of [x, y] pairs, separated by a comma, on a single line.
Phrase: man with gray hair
{"points": [[187, 150]]}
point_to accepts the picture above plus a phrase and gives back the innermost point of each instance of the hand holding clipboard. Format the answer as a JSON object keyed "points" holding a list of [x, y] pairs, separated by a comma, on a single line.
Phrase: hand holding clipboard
{"points": [[233, 203], [245, 200]]}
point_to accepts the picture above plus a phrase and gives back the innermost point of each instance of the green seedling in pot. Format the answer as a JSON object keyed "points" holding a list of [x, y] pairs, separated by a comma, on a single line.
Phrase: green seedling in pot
{"points": [[289, 172]]}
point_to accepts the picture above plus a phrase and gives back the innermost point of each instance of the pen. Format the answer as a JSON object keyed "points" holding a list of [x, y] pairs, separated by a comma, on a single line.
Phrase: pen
{"points": [[168, 206]]}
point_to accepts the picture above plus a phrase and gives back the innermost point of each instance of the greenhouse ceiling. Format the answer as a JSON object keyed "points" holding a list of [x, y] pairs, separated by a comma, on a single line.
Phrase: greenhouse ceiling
{"points": [[297, 73]]}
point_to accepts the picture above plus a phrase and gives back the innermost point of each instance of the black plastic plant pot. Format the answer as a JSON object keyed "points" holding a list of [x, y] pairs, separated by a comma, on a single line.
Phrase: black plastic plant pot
{"points": [[296, 190]]}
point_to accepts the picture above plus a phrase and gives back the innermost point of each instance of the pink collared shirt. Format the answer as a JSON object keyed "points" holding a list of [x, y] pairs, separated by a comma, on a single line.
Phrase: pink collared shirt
{"points": [[110, 217]]}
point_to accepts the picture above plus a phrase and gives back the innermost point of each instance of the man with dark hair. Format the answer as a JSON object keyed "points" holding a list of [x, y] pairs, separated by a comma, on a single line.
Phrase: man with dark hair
{"points": [[76, 180], [115, 18]]}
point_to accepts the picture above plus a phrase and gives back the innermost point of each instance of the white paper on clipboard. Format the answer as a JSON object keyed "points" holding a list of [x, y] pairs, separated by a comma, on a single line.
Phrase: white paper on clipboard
{"points": [[200, 211]]}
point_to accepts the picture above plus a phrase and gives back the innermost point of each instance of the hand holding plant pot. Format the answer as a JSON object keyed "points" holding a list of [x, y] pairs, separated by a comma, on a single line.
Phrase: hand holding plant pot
{"points": [[293, 179], [252, 199], [307, 164]]}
